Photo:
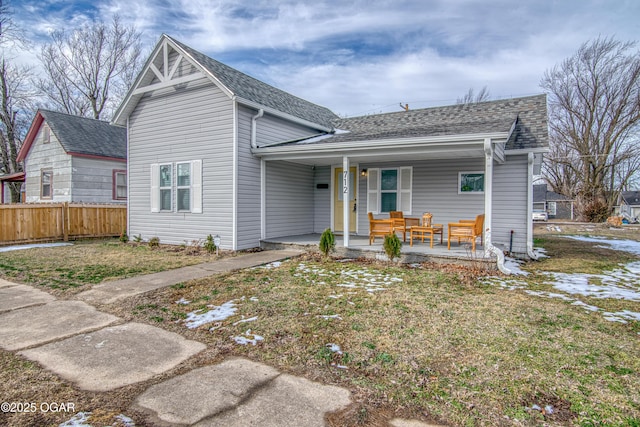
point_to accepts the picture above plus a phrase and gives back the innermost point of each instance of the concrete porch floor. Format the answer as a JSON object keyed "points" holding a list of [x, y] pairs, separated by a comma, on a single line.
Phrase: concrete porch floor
{"points": [[419, 252]]}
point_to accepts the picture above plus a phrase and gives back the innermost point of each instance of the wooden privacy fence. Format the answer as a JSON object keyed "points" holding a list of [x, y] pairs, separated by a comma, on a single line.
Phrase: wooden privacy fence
{"points": [[24, 223]]}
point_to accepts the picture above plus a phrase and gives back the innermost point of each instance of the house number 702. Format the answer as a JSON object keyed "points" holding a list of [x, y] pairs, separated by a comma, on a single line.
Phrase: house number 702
{"points": [[345, 182]]}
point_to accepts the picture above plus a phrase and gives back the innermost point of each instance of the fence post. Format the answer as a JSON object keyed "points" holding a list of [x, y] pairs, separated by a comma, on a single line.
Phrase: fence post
{"points": [[65, 221]]}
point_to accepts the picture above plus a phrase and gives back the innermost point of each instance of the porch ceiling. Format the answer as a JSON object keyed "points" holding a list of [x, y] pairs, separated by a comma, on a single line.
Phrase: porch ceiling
{"points": [[372, 154]]}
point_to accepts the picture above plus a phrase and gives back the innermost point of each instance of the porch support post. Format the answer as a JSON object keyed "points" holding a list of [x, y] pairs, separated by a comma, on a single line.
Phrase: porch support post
{"points": [[530, 251], [488, 192], [345, 200], [488, 207]]}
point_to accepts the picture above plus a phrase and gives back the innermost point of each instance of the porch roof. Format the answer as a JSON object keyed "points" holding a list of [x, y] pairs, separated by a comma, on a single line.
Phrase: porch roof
{"points": [[451, 131]]}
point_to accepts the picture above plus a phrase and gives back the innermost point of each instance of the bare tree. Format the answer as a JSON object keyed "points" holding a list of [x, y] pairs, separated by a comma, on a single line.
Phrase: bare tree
{"points": [[471, 98], [89, 69], [9, 32], [594, 118], [15, 97]]}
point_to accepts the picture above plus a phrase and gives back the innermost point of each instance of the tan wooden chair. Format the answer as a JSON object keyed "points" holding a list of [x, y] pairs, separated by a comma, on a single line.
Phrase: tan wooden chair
{"points": [[402, 224], [466, 230], [379, 227], [427, 229]]}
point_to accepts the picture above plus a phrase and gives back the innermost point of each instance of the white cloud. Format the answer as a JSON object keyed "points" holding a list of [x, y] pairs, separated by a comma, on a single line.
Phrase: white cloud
{"points": [[367, 56]]}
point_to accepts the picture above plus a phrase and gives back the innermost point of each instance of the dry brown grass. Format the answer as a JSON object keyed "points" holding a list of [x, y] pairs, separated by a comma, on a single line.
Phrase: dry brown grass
{"points": [[439, 345]]}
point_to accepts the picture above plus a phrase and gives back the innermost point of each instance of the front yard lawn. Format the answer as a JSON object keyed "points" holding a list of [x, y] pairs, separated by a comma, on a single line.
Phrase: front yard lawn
{"points": [[438, 343]]}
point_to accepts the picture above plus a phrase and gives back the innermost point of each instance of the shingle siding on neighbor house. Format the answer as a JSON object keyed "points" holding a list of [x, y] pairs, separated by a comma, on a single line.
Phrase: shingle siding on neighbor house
{"points": [[289, 199], [92, 179], [194, 123], [49, 156]]}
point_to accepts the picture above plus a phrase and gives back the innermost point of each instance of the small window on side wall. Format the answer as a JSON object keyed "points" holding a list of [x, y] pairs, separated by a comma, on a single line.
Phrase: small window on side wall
{"points": [[46, 134], [119, 185], [46, 184], [471, 182]]}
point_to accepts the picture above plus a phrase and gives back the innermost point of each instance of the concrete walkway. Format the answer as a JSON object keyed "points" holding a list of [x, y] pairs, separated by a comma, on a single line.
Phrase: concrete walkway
{"points": [[99, 352]]}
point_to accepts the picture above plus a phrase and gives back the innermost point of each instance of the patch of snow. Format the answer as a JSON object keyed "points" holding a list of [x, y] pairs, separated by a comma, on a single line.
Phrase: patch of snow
{"points": [[270, 265], [622, 316], [31, 246], [223, 312], [183, 301], [554, 228], [541, 252], [251, 319], [613, 285], [333, 316], [81, 419], [248, 338], [128, 422], [335, 348], [514, 266], [339, 366], [630, 246]]}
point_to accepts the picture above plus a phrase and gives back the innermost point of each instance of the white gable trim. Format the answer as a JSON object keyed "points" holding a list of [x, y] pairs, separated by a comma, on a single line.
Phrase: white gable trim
{"points": [[165, 76]]}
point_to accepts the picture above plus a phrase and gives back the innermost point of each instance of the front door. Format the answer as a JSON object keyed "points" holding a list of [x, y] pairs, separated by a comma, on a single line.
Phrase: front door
{"points": [[338, 200]]}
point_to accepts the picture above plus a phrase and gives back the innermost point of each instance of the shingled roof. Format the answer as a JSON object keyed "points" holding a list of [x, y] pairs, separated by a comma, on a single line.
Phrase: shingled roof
{"points": [[529, 115], [80, 135], [251, 89]]}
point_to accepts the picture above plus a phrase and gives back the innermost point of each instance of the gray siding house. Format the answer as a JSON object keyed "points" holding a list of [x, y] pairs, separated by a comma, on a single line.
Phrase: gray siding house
{"points": [[215, 151], [68, 158], [556, 205]]}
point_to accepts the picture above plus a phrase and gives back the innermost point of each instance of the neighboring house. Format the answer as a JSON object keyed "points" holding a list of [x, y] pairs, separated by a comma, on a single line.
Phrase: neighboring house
{"points": [[74, 159], [629, 204], [214, 151], [5, 191], [556, 205]]}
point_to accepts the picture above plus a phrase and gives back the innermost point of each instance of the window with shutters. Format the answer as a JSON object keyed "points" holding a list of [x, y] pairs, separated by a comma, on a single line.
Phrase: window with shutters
{"points": [[166, 188], [176, 187], [389, 189]]}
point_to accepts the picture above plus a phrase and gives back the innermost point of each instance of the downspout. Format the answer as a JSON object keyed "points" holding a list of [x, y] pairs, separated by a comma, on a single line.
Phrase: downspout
{"points": [[488, 207], [530, 252], [254, 133]]}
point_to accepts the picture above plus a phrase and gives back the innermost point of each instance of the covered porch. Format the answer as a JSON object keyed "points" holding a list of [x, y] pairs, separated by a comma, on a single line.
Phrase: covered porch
{"points": [[420, 252]]}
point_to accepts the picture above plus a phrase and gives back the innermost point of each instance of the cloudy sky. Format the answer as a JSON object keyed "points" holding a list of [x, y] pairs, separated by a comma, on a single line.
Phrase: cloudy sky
{"points": [[359, 57]]}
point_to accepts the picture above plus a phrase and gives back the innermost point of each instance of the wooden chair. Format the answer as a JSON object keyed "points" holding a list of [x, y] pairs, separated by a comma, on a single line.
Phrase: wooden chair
{"points": [[379, 227], [402, 224], [427, 229], [466, 230]]}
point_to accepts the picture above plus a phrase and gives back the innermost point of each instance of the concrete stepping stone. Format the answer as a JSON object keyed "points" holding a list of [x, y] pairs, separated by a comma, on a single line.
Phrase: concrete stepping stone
{"points": [[203, 392], [285, 401], [16, 296], [40, 324], [114, 356]]}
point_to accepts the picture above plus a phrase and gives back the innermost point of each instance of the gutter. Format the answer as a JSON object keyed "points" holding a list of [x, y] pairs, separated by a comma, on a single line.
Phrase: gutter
{"points": [[254, 125], [530, 251], [394, 143], [488, 151]]}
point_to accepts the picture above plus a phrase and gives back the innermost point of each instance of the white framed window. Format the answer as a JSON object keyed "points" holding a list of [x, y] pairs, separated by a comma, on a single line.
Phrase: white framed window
{"points": [[46, 184], [389, 189], [470, 182], [551, 208], [119, 184], [166, 187], [176, 187], [183, 183]]}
